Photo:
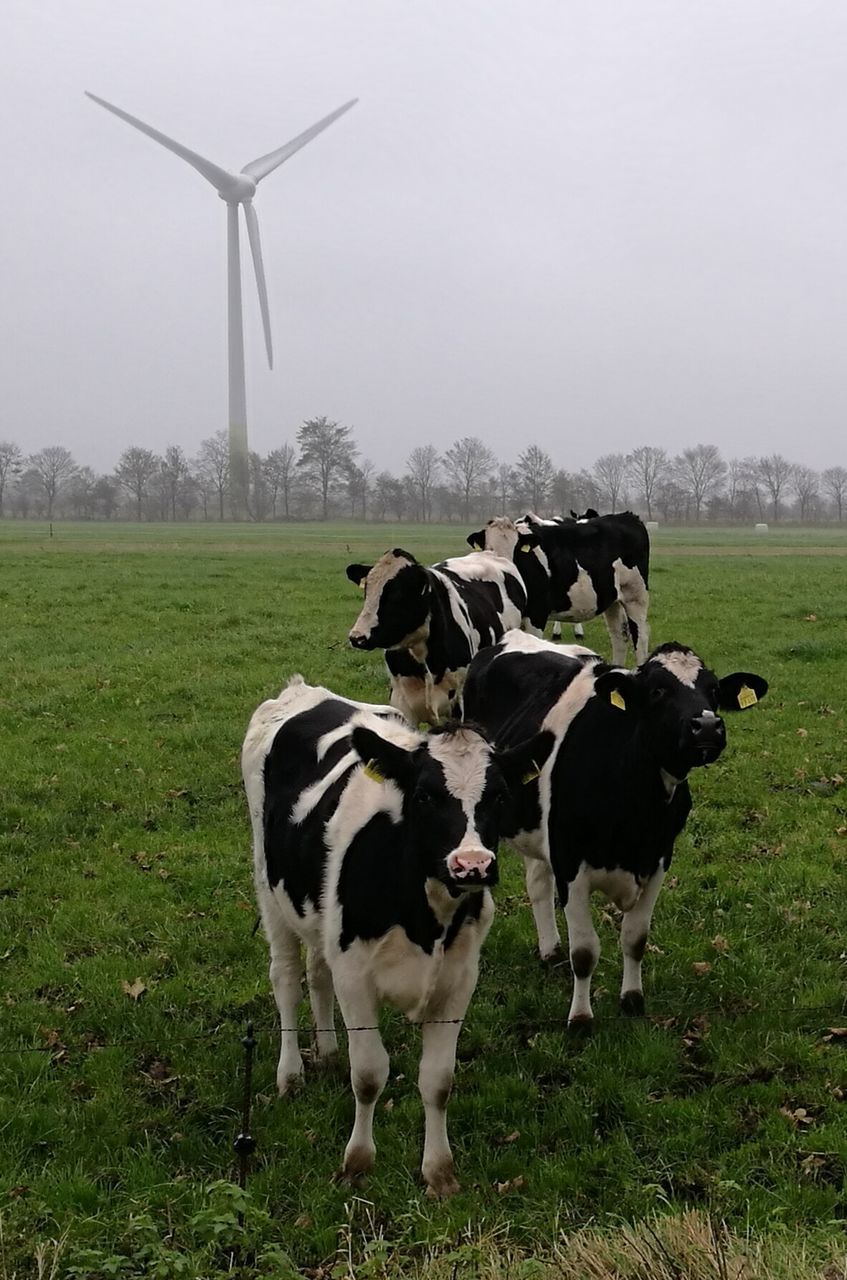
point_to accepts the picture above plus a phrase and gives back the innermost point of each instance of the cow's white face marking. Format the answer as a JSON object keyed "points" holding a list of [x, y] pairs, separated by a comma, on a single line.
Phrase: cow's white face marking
{"points": [[685, 666], [465, 759], [501, 537], [386, 568]]}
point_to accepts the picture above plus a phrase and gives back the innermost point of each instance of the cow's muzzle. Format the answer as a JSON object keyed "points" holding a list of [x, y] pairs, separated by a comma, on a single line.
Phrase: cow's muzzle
{"points": [[360, 641], [705, 738], [472, 867]]}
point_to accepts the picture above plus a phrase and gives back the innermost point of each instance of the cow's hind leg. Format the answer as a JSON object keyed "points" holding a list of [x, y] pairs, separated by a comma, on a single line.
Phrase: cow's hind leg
{"points": [[639, 631], [618, 627], [368, 1071], [541, 889], [322, 1000], [584, 948], [286, 972], [635, 930]]}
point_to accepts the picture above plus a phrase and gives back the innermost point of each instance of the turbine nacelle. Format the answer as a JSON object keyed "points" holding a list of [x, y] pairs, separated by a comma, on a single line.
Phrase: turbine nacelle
{"points": [[241, 187]]}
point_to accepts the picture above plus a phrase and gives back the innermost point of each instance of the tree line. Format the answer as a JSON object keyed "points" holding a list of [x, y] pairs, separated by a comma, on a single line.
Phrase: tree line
{"points": [[322, 476]]}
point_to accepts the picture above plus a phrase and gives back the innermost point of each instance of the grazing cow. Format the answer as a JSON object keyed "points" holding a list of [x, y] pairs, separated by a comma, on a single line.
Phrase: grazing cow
{"points": [[613, 795], [375, 845], [432, 620], [592, 566]]}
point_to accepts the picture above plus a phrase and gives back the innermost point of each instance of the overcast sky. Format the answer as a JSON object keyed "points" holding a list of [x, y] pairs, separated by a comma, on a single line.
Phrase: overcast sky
{"points": [[587, 226]]}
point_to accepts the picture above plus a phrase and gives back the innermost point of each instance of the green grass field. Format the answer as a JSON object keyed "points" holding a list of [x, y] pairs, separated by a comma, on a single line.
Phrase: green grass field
{"points": [[132, 658]]}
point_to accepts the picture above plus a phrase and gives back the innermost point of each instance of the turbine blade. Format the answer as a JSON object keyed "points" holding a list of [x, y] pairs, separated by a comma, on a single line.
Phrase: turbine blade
{"points": [[220, 178], [258, 169], [256, 250]]}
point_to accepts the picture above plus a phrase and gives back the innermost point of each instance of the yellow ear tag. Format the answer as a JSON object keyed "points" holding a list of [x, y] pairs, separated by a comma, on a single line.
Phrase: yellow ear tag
{"points": [[534, 773], [746, 697], [371, 771], [616, 700], [526, 549], [476, 546], [363, 582]]}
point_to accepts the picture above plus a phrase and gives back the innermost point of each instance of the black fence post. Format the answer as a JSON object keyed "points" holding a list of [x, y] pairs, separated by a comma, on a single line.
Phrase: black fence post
{"points": [[245, 1143]]}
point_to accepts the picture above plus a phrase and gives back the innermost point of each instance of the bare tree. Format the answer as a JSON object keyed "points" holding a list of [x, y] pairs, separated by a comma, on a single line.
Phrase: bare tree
{"points": [[259, 503], [775, 473], [53, 466], [805, 482], [280, 469], [81, 492], [422, 468], [213, 466], [175, 471], [834, 481], [11, 461], [536, 470], [610, 473], [136, 468], [467, 463], [327, 451], [699, 472], [647, 466]]}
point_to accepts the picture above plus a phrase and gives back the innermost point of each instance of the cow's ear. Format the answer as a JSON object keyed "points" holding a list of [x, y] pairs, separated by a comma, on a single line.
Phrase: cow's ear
{"points": [[523, 763], [476, 541], [358, 572], [621, 689], [526, 541], [574, 516], [383, 759], [741, 690], [591, 514]]}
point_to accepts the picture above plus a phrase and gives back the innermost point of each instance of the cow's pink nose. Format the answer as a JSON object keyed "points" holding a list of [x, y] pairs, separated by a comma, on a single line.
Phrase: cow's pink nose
{"points": [[470, 862]]}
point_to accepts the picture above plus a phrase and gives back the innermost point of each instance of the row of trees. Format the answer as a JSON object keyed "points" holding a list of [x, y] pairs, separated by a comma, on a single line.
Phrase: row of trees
{"points": [[322, 476]]}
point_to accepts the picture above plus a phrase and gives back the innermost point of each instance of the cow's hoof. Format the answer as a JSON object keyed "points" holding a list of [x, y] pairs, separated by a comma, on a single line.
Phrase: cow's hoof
{"points": [[581, 1027], [632, 1004], [441, 1181], [357, 1162], [289, 1080], [553, 958]]}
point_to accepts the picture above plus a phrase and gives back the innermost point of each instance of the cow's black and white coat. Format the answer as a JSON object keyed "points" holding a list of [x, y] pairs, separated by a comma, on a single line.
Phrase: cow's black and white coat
{"points": [[576, 569], [613, 795], [431, 620], [375, 846]]}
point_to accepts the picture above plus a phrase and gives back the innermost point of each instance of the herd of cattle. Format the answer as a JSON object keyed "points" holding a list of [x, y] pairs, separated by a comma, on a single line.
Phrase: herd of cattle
{"points": [[375, 842]]}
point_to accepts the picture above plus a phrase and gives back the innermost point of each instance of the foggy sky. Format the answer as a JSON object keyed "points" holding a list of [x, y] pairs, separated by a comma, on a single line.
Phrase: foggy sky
{"points": [[587, 226]]}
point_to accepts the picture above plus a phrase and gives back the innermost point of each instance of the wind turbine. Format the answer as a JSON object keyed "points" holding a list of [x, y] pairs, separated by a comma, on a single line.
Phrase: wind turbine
{"points": [[237, 189]]}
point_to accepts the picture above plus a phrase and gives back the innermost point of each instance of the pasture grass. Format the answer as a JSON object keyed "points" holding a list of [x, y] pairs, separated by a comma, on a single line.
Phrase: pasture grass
{"points": [[132, 658]]}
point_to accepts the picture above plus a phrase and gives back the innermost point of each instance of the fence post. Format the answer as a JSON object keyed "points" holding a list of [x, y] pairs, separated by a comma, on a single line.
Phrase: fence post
{"points": [[245, 1143]]}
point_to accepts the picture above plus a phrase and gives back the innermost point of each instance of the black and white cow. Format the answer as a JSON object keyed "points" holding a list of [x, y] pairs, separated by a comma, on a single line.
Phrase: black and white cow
{"points": [[375, 846], [613, 795], [431, 620], [591, 566]]}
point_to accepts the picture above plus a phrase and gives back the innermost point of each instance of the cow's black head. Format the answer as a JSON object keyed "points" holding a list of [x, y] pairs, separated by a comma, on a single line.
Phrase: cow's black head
{"points": [[677, 699], [396, 603], [457, 796]]}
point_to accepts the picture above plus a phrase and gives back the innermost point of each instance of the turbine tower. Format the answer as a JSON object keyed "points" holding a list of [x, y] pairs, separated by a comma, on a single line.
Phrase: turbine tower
{"points": [[237, 189]]}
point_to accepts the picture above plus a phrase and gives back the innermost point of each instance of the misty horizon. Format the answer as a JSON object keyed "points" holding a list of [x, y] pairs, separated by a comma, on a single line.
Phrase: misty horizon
{"points": [[581, 227]]}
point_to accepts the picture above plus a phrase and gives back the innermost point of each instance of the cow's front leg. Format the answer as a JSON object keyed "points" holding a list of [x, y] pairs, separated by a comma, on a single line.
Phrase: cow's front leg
{"points": [[635, 930], [368, 1072], [435, 1080], [286, 971], [541, 888], [584, 946]]}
